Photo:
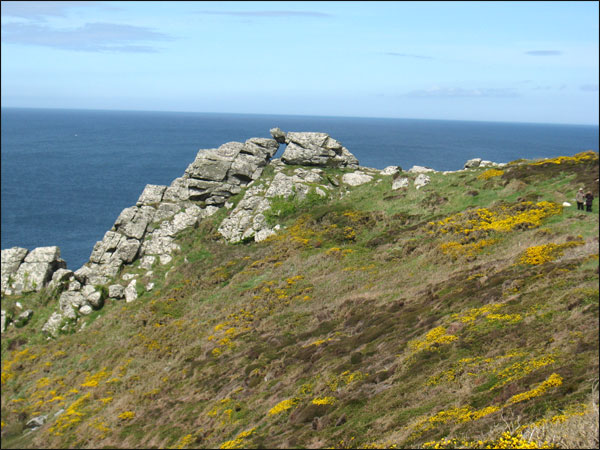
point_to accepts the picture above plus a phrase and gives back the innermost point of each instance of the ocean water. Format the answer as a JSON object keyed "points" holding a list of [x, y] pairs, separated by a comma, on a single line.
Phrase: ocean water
{"points": [[67, 174]]}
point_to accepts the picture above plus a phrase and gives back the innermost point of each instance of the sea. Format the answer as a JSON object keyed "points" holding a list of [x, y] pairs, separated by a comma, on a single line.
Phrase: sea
{"points": [[67, 174]]}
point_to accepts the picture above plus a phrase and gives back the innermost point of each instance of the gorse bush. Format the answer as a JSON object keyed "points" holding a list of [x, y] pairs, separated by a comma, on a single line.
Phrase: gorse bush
{"points": [[378, 319]]}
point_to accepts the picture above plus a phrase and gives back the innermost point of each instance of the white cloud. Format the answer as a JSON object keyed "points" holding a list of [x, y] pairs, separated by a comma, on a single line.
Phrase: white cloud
{"points": [[267, 13], [40, 10], [91, 37], [544, 52], [449, 92], [408, 55]]}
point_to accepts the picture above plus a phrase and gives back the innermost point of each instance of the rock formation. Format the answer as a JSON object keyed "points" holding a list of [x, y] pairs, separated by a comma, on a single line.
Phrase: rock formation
{"points": [[314, 149], [478, 162], [147, 231], [25, 271]]}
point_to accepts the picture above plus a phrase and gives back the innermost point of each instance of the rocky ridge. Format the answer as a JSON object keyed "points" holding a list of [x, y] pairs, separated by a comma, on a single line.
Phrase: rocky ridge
{"points": [[147, 230]]}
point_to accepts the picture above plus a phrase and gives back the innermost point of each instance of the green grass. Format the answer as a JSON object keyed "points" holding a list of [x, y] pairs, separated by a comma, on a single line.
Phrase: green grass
{"points": [[227, 324]]}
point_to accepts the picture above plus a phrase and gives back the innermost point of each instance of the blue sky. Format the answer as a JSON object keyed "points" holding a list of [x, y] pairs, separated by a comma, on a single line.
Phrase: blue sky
{"points": [[496, 61]]}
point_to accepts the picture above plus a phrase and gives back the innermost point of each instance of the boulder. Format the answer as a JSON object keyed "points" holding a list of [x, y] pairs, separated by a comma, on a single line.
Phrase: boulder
{"points": [[37, 269], [36, 422], [400, 183], [52, 326], [243, 168], [420, 169], [421, 180], [356, 178], [278, 135], [11, 260], [85, 310], [116, 291], [131, 291], [316, 149], [281, 186], [473, 163], [69, 302], [213, 164], [217, 174], [158, 243], [165, 259], [151, 194], [147, 262], [82, 274], [307, 176], [241, 222], [262, 147], [93, 296], [22, 319], [186, 219], [166, 211], [133, 221], [264, 233], [391, 170], [74, 285], [60, 277], [128, 250], [177, 191]]}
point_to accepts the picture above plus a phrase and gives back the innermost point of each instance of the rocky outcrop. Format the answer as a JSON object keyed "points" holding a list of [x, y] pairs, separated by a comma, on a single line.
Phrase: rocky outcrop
{"points": [[147, 231], [278, 135], [478, 162], [215, 175], [315, 149], [247, 221], [11, 260], [83, 301], [24, 271]]}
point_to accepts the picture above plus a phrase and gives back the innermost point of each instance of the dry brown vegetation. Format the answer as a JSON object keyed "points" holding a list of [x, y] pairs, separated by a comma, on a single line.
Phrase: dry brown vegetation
{"points": [[355, 305]]}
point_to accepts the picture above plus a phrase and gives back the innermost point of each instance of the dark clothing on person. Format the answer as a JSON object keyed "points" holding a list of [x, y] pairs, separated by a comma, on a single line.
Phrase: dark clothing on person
{"points": [[589, 198]]}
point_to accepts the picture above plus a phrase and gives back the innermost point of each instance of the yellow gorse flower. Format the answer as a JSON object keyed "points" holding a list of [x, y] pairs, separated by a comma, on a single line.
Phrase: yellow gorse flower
{"points": [[541, 254], [283, 406], [553, 380], [432, 340], [490, 173], [323, 401]]}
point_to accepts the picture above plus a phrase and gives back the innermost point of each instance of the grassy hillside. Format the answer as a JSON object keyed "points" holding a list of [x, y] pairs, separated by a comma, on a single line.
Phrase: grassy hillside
{"points": [[461, 314]]}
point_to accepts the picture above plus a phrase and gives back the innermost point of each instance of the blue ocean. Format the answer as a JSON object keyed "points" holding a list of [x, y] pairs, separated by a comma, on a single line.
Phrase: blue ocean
{"points": [[67, 174]]}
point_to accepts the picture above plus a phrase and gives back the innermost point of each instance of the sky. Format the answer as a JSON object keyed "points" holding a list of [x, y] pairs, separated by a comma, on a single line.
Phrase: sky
{"points": [[490, 61]]}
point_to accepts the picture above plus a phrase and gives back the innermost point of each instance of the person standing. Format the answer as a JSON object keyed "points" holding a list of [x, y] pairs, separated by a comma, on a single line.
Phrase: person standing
{"points": [[579, 198], [589, 198]]}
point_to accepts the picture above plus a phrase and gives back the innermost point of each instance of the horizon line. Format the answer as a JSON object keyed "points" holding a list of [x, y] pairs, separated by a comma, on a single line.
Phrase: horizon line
{"points": [[300, 115]]}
